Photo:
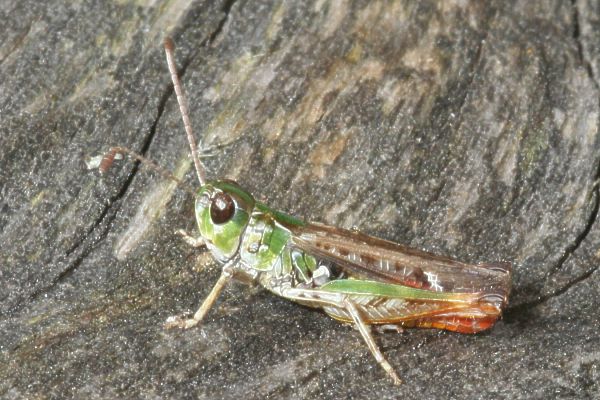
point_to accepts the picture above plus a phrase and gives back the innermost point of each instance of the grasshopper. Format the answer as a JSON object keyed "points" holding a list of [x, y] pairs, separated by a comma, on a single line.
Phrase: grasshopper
{"points": [[355, 278]]}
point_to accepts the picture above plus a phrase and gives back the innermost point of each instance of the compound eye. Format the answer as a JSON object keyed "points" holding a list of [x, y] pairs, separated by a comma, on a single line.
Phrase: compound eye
{"points": [[222, 208]]}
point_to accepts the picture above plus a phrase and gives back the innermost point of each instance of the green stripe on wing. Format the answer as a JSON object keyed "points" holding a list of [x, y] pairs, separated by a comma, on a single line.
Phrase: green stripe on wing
{"points": [[381, 289]]}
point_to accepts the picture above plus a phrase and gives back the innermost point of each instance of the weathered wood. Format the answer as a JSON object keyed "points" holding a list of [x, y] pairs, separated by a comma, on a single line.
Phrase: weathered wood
{"points": [[465, 128]]}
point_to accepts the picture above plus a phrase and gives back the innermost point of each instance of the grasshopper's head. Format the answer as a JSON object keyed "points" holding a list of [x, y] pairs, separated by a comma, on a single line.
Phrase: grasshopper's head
{"points": [[223, 210]]}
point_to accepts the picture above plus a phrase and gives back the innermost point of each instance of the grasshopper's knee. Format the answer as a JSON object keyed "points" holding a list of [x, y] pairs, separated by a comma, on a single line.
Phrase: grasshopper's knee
{"points": [[196, 242]]}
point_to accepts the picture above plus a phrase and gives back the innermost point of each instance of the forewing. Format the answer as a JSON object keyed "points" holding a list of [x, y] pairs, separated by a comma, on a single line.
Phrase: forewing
{"points": [[367, 257]]}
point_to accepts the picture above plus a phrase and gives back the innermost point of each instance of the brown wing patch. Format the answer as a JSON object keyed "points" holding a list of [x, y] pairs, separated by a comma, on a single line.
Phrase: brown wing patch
{"points": [[367, 257]]}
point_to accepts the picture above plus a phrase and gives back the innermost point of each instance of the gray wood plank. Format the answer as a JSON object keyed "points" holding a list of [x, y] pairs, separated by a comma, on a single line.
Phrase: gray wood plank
{"points": [[464, 128]]}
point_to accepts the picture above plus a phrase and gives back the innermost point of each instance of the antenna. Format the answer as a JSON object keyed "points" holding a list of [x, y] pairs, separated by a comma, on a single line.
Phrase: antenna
{"points": [[181, 99], [109, 157]]}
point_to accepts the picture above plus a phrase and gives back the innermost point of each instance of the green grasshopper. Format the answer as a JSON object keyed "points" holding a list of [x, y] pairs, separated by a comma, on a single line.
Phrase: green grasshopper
{"points": [[353, 277]]}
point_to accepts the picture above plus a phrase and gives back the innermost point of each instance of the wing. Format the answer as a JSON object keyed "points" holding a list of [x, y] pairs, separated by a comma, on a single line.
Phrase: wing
{"points": [[367, 257]]}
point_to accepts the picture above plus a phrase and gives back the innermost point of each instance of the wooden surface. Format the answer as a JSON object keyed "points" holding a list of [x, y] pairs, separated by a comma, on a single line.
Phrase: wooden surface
{"points": [[465, 128]]}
